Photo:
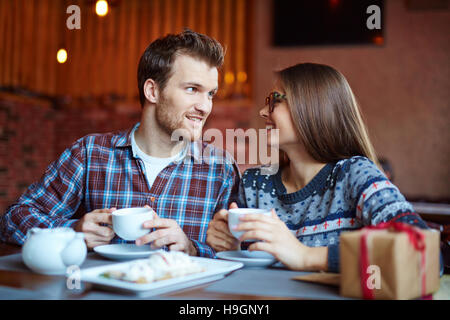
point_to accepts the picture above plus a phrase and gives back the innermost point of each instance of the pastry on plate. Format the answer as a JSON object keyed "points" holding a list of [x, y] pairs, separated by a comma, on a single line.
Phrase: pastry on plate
{"points": [[159, 266]]}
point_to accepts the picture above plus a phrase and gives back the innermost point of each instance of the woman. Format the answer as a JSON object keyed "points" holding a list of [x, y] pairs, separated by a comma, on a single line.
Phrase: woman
{"points": [[328, 181]]}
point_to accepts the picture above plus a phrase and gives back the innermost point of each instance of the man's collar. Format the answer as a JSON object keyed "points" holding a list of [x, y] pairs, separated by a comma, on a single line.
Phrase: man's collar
{"points": [[124, 139], [194, 149]]}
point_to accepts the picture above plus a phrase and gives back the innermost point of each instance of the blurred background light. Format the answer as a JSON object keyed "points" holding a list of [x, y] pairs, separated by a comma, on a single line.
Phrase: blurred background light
{"points": [[378, 40], [101, 8], [242, 76], [229, 77], [61, 55]]}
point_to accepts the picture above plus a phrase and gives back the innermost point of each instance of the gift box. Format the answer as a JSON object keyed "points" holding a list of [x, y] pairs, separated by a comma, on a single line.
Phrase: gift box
{"points": [[389, 261]]}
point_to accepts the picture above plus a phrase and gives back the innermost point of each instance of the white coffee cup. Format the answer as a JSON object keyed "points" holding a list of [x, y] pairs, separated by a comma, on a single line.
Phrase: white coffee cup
{"points": [[233, 220], [235, 214], [128, 222]]}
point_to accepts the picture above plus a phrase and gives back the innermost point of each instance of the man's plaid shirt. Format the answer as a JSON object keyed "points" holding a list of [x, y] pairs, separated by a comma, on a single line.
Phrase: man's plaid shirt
{"points": [[99, 171]]}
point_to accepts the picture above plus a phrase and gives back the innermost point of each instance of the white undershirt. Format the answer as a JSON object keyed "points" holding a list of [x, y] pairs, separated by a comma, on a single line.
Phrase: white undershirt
{"points": [[153, 165]]}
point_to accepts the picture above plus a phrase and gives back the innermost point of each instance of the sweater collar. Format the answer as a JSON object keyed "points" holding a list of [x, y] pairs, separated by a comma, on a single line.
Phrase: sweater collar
{"points": [[314, 186]]}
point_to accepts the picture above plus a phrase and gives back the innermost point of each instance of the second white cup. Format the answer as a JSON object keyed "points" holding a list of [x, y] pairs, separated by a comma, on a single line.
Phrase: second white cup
{"points": [[233, 221], [235, 214]]}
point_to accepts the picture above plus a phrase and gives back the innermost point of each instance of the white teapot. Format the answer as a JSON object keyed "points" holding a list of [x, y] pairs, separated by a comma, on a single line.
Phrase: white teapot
{"points": [[51, 251]]}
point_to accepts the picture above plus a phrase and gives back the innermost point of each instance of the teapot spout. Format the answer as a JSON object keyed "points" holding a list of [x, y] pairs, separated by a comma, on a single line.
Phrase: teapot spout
{"points": [[75, 251]]}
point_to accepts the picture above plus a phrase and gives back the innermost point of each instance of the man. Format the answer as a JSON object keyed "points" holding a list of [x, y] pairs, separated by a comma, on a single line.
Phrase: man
{"points": [[146, 165]]}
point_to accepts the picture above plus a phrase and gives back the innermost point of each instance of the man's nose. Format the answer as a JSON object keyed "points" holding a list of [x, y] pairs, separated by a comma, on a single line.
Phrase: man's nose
{"points": [[204, 105]]}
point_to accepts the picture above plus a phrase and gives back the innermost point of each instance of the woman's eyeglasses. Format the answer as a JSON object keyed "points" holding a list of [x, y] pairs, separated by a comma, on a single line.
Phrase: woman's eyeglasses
{"points": [[273, 98]]}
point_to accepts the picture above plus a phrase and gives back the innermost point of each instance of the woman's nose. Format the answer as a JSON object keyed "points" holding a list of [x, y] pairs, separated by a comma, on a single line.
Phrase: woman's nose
{"points": [[264, 112]]}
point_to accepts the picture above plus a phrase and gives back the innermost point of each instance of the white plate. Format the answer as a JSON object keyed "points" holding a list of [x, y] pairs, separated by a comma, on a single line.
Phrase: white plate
{"points": [[214, 269], [124, 251], [248, 262]]}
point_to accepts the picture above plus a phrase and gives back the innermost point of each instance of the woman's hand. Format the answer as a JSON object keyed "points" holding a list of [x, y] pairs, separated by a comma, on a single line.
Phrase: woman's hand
{"points": [[218, 236], [276, 239]]}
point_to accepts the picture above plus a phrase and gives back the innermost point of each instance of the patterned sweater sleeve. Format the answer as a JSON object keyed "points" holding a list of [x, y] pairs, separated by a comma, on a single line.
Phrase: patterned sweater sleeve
{"points": [[51, 201], [376, 200]]}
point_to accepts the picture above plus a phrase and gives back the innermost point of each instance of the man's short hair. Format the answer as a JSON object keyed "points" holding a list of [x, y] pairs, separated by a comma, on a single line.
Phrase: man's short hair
{"points": [[157, 60]]}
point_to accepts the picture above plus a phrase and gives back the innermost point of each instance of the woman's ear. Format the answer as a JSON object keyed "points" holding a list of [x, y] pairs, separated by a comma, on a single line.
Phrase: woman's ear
{"points": [[151, 91]]}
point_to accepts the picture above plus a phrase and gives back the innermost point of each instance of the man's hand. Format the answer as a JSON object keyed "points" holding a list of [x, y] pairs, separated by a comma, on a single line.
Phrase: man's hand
{"points": [[218, 235], [94, 233], [167, 233]]}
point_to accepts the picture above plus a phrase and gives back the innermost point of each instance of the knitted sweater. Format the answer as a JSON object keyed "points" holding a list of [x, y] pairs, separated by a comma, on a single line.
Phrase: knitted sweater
{"points": [[346, 195]]}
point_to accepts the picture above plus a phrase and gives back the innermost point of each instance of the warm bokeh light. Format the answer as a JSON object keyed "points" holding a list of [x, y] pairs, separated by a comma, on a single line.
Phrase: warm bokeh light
{"points": [[334, 3], [241, 76], [378, 40], [61, 56], [101, 8], [229, 77]]}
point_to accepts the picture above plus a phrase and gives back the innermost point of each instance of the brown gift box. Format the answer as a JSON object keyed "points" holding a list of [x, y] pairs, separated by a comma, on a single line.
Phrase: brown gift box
{"points": [[398, 261]]}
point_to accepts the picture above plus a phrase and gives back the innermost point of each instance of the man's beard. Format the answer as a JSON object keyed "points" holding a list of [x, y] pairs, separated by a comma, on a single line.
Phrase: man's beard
{"points": [[172, 124]]}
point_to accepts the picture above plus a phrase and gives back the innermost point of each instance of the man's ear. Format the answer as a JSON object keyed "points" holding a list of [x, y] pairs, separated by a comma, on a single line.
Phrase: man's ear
{"points": [[151, 91]]}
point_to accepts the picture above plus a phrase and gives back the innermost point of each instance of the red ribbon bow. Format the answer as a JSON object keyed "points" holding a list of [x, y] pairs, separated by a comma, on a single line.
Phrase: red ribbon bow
{"points": [[416, 238]]}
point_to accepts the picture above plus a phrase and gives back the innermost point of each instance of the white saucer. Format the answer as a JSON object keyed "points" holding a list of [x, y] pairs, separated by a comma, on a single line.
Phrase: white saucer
{"points": [[248, 262], [124, 251]]}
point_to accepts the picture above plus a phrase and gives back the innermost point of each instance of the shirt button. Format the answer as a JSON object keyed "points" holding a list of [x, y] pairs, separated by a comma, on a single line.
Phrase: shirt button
{"points": [[152, 199]]}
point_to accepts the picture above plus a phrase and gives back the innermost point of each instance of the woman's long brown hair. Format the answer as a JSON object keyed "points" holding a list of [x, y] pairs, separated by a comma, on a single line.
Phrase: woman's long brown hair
{"points": [[325, 113]]}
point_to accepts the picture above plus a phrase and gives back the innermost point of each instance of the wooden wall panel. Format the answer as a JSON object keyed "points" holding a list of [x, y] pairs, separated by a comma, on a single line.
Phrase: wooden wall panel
{"points": [[201, 16], [155, 21], [132, 50], [3, 30], [103, 56], [192, 19], [120, 49], [110, 51], [52, 44], [66, 40], [98, 53], [6, 33], [227, 28], [179, 14], [42, 51], [17, 34], [168, 12], [240, 48]]}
